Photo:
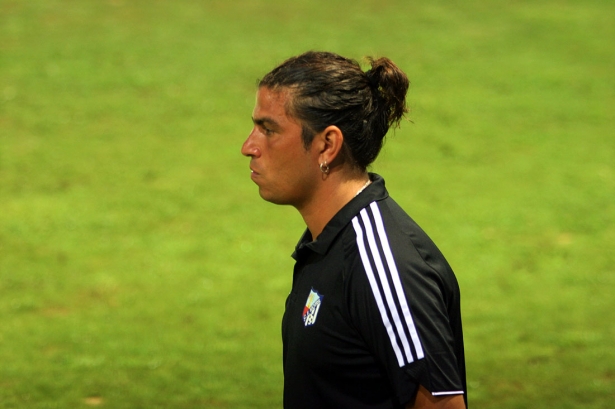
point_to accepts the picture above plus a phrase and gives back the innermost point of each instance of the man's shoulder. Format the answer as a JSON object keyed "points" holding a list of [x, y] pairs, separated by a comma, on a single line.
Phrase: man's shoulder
{"points": [[385, 227]]}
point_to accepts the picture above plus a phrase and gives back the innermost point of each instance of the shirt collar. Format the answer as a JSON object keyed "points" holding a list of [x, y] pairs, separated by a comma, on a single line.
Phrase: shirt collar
{"points": [[374, 191]]}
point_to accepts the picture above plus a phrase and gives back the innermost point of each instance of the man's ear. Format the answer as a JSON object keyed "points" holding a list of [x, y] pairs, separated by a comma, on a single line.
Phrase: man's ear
{"points": [[330, 142]]}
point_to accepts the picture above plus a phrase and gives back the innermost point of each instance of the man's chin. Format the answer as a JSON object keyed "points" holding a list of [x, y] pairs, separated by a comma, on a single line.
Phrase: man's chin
{"points": [[271, 198]]}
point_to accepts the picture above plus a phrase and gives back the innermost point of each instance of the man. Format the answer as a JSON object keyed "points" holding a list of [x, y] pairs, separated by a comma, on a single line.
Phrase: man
{"points": [[373, 319]]}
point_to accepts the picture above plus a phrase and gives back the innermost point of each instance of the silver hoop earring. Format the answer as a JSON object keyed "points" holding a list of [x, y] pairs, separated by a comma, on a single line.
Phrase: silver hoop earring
{"points": [[324, 168]]}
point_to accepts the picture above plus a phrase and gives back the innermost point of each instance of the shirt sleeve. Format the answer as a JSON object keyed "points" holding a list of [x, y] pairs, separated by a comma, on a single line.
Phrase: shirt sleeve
{"points": [[399, 304]]}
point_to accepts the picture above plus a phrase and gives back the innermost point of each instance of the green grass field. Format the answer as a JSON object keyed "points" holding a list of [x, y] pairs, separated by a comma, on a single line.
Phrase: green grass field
{"points": [[140, 269]]}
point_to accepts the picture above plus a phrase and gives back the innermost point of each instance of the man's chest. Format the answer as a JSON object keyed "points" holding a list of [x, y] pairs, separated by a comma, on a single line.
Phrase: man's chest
{"points": [[317, 329]]}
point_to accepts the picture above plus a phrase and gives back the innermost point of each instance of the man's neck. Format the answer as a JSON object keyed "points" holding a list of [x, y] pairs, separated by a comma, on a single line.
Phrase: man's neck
{"points": [[332, 196]]}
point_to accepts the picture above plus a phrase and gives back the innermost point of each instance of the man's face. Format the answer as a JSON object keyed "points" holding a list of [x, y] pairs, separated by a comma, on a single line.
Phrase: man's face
{"points": [[285, 172]]}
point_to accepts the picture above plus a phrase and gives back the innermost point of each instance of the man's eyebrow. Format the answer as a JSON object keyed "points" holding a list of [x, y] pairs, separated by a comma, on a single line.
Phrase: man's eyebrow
{"points": [[264, 121]]}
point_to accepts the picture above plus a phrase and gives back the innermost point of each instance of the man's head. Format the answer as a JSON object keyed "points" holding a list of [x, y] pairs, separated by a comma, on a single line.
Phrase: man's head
{"points": [[319, 112], [326, 89]]}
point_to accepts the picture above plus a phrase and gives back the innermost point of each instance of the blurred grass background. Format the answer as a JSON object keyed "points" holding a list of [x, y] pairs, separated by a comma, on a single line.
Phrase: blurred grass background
{"points": [[140, 269]]}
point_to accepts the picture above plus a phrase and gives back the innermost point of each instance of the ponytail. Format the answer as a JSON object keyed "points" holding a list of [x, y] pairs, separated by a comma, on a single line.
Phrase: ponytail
{"points": [[392, 84]]}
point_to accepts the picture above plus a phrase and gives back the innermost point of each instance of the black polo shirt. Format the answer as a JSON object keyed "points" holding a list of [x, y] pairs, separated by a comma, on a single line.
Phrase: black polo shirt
{"points": [[373, 312]]}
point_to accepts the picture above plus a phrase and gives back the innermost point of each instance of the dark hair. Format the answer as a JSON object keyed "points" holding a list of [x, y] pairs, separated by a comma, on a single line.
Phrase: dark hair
{"points": [[328, 89]]}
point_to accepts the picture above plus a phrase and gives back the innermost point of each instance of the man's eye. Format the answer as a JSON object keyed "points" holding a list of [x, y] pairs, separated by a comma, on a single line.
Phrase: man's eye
{"points": [[267, 131]]}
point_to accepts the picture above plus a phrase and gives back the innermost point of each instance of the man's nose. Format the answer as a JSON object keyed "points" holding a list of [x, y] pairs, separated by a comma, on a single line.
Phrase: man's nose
{"points": [[249, 147]]}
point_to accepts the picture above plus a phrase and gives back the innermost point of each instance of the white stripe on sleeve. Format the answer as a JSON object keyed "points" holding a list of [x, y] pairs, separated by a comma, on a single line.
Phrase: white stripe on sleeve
{"points": [[374, 285], [396, 281], [448, 393], [384, 282]]}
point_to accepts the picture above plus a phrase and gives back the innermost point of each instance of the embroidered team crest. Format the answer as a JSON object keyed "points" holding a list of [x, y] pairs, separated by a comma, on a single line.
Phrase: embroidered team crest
{"points": [[310, 311]]}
